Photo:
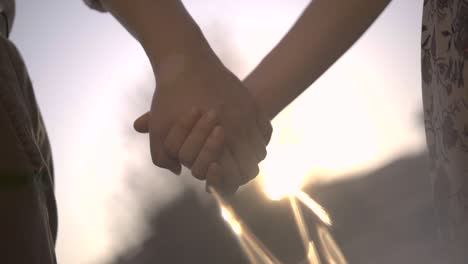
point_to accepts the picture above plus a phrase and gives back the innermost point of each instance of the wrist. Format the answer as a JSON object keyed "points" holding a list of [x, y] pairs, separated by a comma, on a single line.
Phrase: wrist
{"points": [[189, 52], [258, 93], [185, 41], [178, 64]]}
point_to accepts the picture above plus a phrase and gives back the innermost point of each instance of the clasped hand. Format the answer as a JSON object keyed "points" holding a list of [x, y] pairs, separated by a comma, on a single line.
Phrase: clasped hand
{"points": [[204, 118]]}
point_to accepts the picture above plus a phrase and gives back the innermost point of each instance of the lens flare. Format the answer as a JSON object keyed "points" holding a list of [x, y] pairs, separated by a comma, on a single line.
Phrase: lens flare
{"points": [[233, 223], [314, 207], [330, 249], [249, 252], [280, 180], [254, 249], [312, 255], [243, 232], [301, 226]]}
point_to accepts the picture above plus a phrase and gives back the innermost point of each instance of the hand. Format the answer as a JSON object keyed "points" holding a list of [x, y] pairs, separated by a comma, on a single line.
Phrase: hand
{"points": [[195, 138], [198, 140], [209, 84]]}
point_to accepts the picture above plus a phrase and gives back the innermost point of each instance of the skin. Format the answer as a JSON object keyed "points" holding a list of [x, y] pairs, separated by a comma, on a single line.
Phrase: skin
{"points": [[283, 75], [189, 75]]}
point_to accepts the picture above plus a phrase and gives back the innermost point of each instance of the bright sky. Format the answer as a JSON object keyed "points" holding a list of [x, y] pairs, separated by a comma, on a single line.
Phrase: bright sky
{"points": [[88, 73]]}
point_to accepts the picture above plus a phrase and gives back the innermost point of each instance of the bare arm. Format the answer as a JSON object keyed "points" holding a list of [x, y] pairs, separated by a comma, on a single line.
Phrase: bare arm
{"points": [[163, 27], [325, 30], [189, 75]]}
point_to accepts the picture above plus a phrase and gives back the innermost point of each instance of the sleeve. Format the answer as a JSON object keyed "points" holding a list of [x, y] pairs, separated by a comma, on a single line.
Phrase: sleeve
{"points": [[7, 10], [95, 4]]}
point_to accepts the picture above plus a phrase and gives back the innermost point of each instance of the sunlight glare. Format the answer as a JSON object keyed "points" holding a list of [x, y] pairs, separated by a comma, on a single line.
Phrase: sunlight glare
{"points": [[330, 249], [249, 251], [279, 180], [233, 223], [243, 232], [301, 225], [312, 255], [316, 208]]}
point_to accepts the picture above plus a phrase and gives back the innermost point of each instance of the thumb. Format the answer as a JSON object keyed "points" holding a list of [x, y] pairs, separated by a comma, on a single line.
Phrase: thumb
{"points": [[141, 124]]}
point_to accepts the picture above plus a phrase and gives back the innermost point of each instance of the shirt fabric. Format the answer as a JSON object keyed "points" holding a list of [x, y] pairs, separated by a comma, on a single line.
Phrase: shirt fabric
{"points": [[22, 124], [26, 169], [7, 11], [444, 53]]}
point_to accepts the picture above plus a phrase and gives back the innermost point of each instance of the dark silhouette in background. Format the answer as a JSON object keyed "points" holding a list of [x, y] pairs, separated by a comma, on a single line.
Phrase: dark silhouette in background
{"points": [[383, 217]]}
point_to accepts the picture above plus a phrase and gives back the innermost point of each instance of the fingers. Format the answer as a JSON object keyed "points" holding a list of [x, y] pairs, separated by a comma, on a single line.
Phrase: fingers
{"points": [[210, 153], [159, 155], [231, 176], [179, 132], [260, 135], [224, 175], [245, 157], [258, 143], [196, 139], [163, 160], [231, 171], [141, 123], [213, 176], [264, 124]]}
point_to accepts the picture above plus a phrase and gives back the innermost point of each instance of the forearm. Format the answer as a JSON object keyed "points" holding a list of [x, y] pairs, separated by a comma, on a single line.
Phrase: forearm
{"points": [[163, 27], [325, 30]]}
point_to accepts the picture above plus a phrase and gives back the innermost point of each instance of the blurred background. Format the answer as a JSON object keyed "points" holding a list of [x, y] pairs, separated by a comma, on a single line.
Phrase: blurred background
{"points": [[355, 140]]}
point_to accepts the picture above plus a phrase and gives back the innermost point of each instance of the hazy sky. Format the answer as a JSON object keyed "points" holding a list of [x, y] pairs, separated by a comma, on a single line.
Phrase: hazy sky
{"points": [[87, 72]]}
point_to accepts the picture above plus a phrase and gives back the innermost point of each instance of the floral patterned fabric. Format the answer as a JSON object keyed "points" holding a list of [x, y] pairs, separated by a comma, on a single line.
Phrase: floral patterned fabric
{"points": [[444, 60]]}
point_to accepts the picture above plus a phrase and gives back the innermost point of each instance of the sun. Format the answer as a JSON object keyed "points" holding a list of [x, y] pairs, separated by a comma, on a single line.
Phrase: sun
{"points": [[316, 141]]}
